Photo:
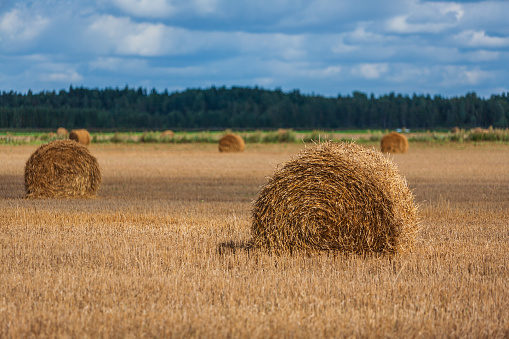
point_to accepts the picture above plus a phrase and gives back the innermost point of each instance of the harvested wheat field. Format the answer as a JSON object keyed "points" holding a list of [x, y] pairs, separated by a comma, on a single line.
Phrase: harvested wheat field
{"points": [[160, 252]]}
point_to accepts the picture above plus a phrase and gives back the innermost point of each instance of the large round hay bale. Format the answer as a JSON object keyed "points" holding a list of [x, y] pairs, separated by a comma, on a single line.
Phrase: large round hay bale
{"points": [[62, 168], [80, 135], [62, 132], [339, 197], [168, 134], [231, 143], [394, 142]]}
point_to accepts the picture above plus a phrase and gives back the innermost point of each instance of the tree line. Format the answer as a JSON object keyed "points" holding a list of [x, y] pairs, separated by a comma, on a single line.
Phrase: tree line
{"points": [[244, 108]]}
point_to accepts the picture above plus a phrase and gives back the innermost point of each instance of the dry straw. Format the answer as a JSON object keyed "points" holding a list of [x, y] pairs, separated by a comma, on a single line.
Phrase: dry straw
{"points": [[455, 130], [62, 132], [62, 168], [80, 135], [478, 130], [167, 134], [231, 143], [394, 142], [339, 197]]}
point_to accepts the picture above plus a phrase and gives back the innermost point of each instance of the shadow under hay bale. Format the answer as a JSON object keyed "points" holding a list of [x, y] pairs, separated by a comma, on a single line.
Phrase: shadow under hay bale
{"points": [[336, 197], [62, 132], [232, 247], [394, 142], [62, 169], [80, 135], [231, 143]]}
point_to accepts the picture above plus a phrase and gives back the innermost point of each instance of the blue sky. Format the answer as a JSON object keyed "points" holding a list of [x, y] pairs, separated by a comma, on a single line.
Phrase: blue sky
{"points": [[326, 47]]}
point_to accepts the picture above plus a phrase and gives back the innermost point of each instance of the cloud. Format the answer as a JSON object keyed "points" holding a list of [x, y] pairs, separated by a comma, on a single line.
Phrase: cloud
{"points": [[480, 56], [322, 46], [69, 76], [140, 67], [462, 75], [163, 9], [206, 6], [370, 71], [19, 26], [481, 39], [489, 16], [288, 47], [427, 18], [146, 8], [116, 64], [122, 36]]}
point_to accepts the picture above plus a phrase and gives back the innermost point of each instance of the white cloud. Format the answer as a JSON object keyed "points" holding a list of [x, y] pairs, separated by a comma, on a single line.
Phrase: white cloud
{"points": [[341, 47], [68, 76], [115, 64], [326, 46], [140, 66], [122, 36], [408, 73], [401, 24], [289, 47], [481, 39], [427, 18], [206, 6], [371, 70], [146, 8], [475, 76], [483, 56], [17, 25], [161, 9], [488, 16], [463, 75]]}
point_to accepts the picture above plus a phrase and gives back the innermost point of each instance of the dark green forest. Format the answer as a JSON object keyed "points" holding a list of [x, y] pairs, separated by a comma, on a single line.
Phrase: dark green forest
{"points": [[244, 108]]}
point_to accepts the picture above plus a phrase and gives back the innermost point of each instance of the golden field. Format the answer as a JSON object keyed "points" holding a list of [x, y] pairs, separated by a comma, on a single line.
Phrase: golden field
{"points": [[158, 252]]}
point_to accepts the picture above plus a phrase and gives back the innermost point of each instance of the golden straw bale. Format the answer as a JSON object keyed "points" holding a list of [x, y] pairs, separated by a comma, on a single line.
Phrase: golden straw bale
{"points": [[62, 168], [455, 130], [80, 135], [167, 134], [62, 132], [340, 197], [231, 143], [478, 130], [394, 142]]}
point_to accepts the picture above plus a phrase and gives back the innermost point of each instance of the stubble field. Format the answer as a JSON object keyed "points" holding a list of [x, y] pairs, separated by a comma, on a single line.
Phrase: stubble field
{"points": [[158, 252]]}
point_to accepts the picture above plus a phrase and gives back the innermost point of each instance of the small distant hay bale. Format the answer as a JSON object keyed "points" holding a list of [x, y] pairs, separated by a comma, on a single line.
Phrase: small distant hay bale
{"points": [[62, 132], [478, 130], [62, 169], [394, 142], [455, 130], [335, 197], [80, 135], [231, 142], [167, 134]]}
